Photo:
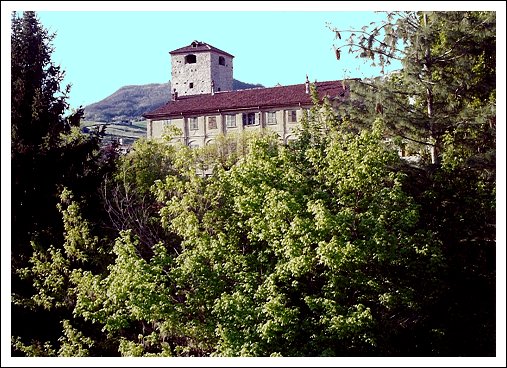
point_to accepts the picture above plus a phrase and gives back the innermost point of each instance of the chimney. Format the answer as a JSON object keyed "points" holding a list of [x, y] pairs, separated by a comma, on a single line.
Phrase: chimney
{"points": [[174, 95], [307, 85], [212, 87]]}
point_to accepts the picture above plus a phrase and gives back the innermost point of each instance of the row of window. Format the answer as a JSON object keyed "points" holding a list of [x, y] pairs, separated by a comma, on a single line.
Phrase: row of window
{"points": [[195, 144], [191, 85], [192, 59], [249, 118]]}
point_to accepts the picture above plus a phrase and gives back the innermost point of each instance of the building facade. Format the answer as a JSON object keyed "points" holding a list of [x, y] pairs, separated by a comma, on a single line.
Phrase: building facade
{"points": [[194, 68], [202, 115]]}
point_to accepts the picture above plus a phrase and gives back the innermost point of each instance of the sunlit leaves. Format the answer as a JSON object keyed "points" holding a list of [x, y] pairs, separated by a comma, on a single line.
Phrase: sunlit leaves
{"points": [[322, 247], [254, 237], [73, 342]]}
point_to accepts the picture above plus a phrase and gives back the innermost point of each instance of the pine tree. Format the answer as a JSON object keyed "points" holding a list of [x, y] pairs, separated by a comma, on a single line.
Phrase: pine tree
{"points": [[444, 96], [37, 107], [48, 153]]}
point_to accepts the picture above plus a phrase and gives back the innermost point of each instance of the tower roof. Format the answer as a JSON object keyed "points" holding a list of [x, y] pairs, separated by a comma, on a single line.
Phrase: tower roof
{"points": [[197, 46]]}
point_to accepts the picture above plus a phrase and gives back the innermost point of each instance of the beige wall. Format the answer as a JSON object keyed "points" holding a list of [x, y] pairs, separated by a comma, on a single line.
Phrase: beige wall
{"points": [[205, 133], [157, 128]]}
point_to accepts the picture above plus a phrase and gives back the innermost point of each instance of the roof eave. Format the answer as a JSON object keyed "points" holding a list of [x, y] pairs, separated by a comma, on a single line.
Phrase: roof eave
{"points": [[225, 110], [176, 52]]}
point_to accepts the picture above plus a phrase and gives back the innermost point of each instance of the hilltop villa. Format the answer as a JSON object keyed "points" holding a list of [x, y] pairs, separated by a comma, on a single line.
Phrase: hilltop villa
{"points": [[203, 104]]}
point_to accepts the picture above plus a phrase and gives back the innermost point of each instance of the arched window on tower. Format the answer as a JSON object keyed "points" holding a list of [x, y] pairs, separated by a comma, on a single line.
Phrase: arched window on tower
{"points": [[190, 59], [221, 60]]}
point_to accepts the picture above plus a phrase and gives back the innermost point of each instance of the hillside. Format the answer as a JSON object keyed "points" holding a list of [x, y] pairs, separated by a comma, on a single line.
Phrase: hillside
{"points": [[122, 133], [237, 85], [130, 102]]}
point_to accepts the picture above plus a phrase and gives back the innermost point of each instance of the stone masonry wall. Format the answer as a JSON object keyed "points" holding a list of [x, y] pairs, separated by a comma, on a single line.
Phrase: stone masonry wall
{"points": [[194, 79]]}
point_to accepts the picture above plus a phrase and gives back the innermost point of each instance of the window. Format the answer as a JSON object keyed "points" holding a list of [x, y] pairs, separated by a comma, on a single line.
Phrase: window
{"points": [[271, 117], [193, 124], [221, 60], [190, 59], [230, 121], [250, 118], [291, 116], [191, 85], [212, 122]]}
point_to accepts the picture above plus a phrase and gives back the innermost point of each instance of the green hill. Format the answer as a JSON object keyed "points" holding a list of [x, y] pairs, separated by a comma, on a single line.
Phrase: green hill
{"points": [[131, 102], [237, 85]]}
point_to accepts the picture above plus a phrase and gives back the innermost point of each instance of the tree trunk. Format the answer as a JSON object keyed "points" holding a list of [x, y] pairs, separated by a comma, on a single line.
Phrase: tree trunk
{"points": [[434, 141]]}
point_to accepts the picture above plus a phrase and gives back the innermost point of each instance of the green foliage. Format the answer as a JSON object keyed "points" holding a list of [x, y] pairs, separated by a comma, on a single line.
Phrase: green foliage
{"points": [[444, 97], [49, 271], [331, 245], [78, 240], [127, 195], [148, 161], [460, 206], [259, 238], [47, 150], [48, 153], [35, 349], [129, 289], [73, 343], [134, 292], [37, 100], [278, 256]]}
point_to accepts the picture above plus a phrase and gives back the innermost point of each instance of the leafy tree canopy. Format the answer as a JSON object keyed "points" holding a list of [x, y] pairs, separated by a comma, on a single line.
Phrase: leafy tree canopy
{"points": [[332, 245]]}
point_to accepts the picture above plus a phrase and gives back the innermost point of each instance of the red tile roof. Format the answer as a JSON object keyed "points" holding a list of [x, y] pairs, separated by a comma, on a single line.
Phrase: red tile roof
{"points": [[256, 98], [197, 46]]}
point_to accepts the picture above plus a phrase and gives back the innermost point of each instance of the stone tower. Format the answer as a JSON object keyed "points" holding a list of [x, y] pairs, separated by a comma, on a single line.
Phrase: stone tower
{"points": [[200, 68]]}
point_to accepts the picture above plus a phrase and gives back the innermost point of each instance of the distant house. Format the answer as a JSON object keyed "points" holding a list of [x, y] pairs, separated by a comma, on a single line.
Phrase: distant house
{"points": [[203, 105]]}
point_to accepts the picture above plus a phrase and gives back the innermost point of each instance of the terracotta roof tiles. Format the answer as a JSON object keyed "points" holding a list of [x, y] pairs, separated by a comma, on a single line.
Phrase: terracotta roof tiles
{"points": [[256, 98]]}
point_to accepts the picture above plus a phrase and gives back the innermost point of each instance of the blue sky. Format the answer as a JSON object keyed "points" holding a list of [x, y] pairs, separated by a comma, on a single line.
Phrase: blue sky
{"points": [[103, 46], [103, 51]]}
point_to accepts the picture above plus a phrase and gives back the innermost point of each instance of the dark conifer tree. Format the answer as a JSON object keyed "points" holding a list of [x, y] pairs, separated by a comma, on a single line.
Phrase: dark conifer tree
{"points": [[48, 153]]}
